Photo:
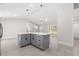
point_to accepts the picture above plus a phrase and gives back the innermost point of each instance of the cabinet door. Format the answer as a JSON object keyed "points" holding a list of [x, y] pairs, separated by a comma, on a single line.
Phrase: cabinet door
{"points": [[24, 40], [46, 41], [33, 39], [27, 38]]}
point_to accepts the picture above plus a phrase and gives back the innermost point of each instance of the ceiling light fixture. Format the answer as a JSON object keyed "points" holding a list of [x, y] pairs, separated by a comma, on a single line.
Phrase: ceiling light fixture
{"points": [[31, 5], [41, 5], [27, 10]]}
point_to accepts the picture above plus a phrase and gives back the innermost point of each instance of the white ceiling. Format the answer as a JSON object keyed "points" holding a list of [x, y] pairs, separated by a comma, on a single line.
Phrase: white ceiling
{"points": [[18, 10]]}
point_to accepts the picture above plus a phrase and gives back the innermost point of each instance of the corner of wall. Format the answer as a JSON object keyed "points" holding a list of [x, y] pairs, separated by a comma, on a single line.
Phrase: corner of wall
{"points": [[66, 44]]}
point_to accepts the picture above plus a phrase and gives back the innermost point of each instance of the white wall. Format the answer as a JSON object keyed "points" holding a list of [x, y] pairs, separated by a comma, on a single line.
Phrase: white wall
{"points": [[62, 17], [31, 27], [76, 30], [43, 28], [14, 26], [65, 13], [11, 27], [48, 13], [76, 23]]}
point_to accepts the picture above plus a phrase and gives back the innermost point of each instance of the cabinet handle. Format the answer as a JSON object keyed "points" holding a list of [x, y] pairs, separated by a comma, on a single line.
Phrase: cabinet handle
{"points": [[38, 40], [25, 38], [38, 45], [33, 38]]}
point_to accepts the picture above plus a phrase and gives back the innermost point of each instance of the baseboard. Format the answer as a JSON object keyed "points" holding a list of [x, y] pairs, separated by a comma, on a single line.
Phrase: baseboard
{"points": [[76, 38], [66, 44], [8, 38]]}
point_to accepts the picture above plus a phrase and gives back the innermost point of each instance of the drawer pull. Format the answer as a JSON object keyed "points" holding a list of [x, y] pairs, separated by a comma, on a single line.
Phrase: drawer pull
{"points": [[39, 36], [38, 40], [25, 38], [33, 38], [38, 45]]}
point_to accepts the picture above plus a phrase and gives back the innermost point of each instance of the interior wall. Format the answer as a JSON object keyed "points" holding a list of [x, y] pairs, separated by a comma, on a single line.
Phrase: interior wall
{"points": [[43, 28], [76, 23], [65, 13], [76, 31], [11, 27], [14, 26], [48, 13], [60, 15]]}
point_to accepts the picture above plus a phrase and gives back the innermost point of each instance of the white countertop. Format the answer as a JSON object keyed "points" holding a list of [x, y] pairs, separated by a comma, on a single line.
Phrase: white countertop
{"points": [[35, 33], [25, 33], [39, 33]]}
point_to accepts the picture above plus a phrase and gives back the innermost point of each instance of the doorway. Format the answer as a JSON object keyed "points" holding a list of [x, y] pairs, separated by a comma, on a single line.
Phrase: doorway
{"points": [[76, 28]]}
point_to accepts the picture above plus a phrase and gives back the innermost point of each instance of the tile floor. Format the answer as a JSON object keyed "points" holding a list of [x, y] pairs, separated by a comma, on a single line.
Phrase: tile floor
{"points": [[10, 48]]}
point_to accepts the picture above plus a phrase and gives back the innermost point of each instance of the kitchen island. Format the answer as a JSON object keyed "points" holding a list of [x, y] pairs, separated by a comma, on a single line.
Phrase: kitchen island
{"points": [[37, 39]]}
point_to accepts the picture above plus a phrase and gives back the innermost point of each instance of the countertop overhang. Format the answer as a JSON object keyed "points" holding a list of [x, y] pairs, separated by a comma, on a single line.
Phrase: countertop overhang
{"points": [[39, 33]]}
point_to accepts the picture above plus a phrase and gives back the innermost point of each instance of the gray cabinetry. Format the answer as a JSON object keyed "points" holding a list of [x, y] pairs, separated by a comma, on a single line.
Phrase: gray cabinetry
{"points": [[39, 40], [33, 39], [23, 39]]}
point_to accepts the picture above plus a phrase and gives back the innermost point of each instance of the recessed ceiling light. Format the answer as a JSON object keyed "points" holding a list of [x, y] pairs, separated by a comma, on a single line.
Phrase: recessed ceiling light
{"points": [[31, 5], [27, 9], [14, 15]]}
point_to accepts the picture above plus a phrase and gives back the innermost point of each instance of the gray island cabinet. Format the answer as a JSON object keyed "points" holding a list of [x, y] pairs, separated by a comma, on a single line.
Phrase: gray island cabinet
{"points": [[39, 40], [23, 40]]}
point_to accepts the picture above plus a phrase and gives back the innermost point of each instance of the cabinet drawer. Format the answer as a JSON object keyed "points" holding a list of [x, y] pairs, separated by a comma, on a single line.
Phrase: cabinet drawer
{"points": [[39, 39], [25, 36], [39, 36], [34, 42], [39, 45]]}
